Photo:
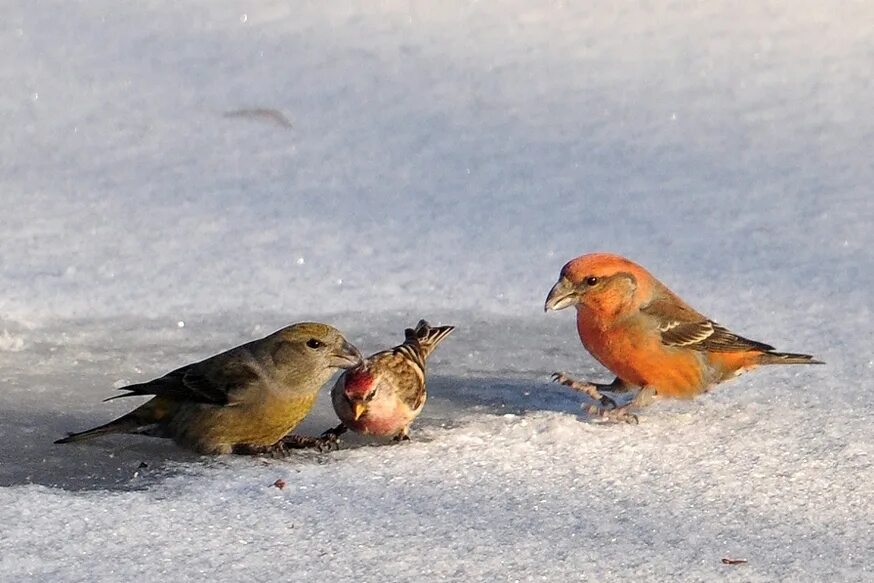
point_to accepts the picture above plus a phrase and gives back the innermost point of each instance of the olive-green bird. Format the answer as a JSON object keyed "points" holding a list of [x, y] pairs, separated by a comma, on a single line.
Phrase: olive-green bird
{"points": [[245, 400]]}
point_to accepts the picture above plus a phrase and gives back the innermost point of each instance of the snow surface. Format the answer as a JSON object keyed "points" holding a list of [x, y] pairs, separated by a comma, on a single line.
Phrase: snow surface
{"points": [[181, 177]]}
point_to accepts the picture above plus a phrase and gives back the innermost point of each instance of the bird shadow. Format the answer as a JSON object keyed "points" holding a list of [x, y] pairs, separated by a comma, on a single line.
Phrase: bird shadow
{"points": [[119, 462], [131, 462], [490, 395]]}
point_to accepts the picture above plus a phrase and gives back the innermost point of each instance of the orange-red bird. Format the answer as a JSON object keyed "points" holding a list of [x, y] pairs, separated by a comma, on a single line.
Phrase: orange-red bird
{"points": [[647, 336]]}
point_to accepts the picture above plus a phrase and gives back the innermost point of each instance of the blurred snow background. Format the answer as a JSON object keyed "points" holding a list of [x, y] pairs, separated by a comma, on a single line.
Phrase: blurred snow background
{"points": [[180, 177]]}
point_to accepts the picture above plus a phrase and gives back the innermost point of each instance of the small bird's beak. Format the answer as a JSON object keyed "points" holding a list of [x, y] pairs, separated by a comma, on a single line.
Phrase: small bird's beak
{"points": [[358, 409], [561, 296], [347, 357]]}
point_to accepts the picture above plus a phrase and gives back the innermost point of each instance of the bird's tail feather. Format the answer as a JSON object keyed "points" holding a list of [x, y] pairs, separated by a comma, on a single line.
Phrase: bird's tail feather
{"points": [[787, 358], [124, 424], [145, 419], [426, 337]]}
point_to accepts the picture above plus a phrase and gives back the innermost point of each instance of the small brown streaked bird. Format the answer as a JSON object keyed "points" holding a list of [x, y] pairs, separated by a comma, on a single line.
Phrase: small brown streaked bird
{"points": [[245, 400], [383, 395], [648, 337]]}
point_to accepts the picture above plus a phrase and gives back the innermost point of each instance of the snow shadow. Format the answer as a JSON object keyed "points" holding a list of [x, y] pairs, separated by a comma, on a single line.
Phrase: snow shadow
{"points": [[129, 462], [79, 362], [118, 462], [451, 396]]}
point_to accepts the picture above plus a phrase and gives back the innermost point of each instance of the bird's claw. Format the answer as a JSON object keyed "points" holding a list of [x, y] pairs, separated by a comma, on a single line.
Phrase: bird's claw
{"points": [[333, 434], [607, 402], [402, 436], [327, 443], [606, 408], [615, 415], [589, 389], [324, 443], [561, 378]]}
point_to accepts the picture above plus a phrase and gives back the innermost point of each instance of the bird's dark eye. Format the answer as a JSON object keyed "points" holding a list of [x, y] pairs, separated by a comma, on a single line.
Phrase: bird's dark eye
{"points": [[313, 343], [370, 396], [591, 280]]}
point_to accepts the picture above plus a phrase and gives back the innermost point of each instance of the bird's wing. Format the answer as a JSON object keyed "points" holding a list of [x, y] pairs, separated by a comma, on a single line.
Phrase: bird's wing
{"points": [[407, 375], [681, 326], [214, 383]]}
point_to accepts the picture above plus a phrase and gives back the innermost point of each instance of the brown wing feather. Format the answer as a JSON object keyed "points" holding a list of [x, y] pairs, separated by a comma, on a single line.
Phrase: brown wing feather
{"points": [[682, 326], [408, 374], [196, 383]]}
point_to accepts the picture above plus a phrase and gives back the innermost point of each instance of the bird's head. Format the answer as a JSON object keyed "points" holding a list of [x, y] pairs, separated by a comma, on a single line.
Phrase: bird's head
{"points": [[601, 282], [311, 347], [359, 389]]}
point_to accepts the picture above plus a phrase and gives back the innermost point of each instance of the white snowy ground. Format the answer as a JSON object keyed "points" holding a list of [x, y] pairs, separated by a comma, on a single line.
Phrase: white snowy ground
{"points": [[238, 166]]}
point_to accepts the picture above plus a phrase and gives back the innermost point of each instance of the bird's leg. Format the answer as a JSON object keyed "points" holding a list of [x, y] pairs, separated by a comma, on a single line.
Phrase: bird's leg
{"points": [[617, 386], [335, 432], [644, 397], [593, 390], [284, 446], [276, 450], [403, 435], [323, 443]]}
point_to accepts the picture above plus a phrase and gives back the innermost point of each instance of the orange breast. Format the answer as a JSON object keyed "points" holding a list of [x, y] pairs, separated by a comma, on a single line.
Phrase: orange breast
{"points": [[639, 358]]}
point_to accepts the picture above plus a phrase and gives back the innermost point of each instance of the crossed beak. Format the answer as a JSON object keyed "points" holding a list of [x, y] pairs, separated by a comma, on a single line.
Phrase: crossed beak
{"points": [[347, 357], [561, 296], [358, 409]]}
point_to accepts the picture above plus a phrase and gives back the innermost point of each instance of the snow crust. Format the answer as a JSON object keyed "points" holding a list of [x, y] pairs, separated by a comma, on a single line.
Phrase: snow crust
{"points": [[181, 177]]}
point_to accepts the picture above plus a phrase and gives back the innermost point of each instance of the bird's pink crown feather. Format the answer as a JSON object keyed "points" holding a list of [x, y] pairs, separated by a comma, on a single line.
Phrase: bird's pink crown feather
{"points": [[358, 382]]}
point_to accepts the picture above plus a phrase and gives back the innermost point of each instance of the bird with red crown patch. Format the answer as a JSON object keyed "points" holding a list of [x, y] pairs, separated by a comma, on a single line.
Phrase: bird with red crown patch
{"points": [[384, 395]]}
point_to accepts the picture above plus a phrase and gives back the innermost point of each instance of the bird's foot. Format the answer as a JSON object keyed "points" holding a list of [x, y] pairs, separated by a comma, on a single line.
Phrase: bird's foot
{"points": [[334, 433], [328, 441], [644, 397], [615, 415], [590, 389], [403, 435], [276, 450]]}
